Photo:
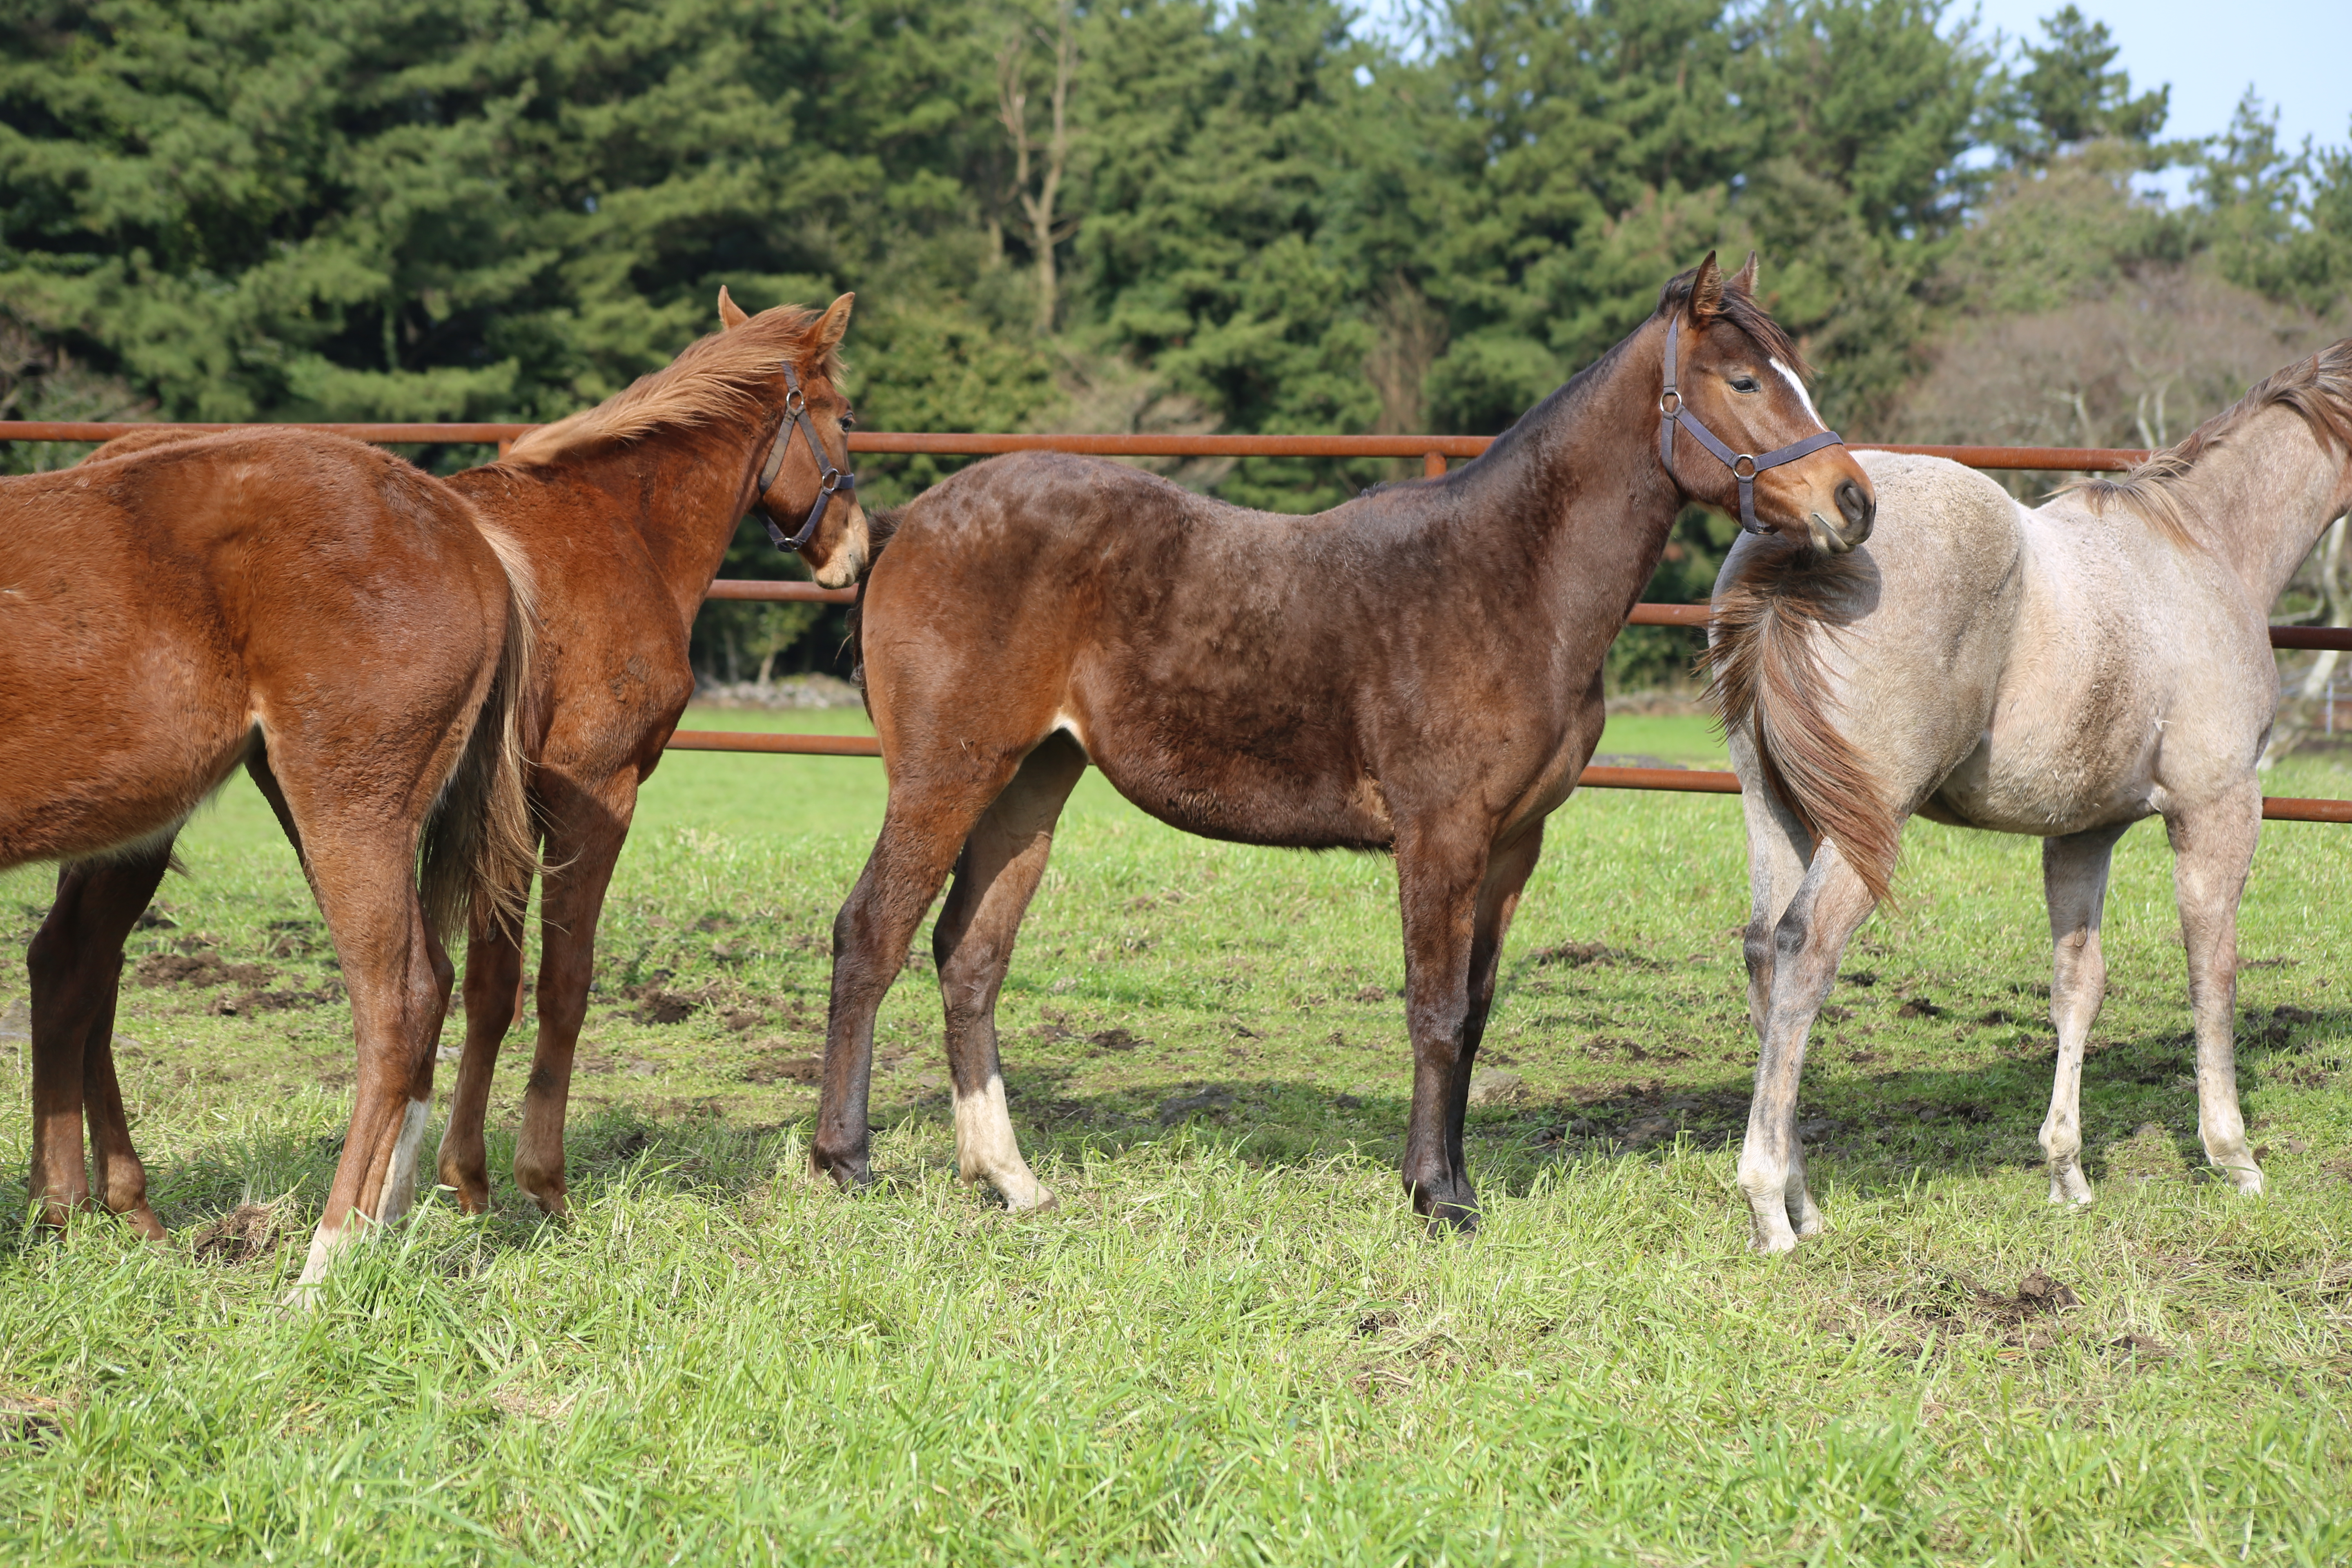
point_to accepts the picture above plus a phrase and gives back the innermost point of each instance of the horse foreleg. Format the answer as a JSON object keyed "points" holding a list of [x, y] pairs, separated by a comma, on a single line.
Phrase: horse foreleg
{"points": [[1807, 942], [995, 877], [1508, 871], [1441, 870], [2212, 849], [585, 830], [75, 966], [923, 832], [399, 1194], [2075, 883], [493, 1006]]}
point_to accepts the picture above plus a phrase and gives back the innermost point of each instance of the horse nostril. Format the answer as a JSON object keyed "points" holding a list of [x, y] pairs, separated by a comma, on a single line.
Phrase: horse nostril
{"points": [[1853, 504]]}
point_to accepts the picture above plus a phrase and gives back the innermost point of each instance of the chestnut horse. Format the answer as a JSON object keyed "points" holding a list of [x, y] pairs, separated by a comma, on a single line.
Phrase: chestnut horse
{"points": [[2061, 671], [624, 512], [357, 637], [1416, 670]]}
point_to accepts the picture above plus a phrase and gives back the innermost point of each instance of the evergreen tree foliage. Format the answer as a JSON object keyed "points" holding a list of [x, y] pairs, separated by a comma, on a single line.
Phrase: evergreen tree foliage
{"points": [[1262, 216]]}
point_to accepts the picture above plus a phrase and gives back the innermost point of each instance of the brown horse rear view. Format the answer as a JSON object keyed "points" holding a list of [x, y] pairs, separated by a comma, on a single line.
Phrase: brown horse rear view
{"points": [[344, 627], [1417, 670]]}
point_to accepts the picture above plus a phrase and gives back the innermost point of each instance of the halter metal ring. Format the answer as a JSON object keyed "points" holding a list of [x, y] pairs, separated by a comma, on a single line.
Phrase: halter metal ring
{"points": [[1747, 458], [1676, 405], [793, 404]]}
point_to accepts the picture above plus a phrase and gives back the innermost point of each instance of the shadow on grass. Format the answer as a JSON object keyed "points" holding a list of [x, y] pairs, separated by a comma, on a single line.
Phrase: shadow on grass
{"points": [[1882, 1129]]}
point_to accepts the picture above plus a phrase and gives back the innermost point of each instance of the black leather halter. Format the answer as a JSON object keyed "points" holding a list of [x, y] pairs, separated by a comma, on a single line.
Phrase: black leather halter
{"points": [[829, 479], [1672, 413]]}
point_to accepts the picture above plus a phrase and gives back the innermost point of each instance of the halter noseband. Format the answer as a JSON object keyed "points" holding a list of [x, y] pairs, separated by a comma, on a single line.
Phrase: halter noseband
{"points": [[1672, 413], [829, 479]]}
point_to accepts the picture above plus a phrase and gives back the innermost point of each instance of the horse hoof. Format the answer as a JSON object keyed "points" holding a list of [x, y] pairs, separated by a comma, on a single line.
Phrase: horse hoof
{"points": [[1452, 1218], [851, 1176]]}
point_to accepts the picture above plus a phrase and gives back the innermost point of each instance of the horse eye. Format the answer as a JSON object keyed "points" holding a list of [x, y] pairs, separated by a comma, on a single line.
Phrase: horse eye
{"points": [[849, 421], [1743, 383]]}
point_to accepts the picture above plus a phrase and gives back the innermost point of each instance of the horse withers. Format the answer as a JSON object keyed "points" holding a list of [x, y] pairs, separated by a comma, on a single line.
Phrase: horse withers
{"points": [[353, 634], [1417, 670], [2062, 672]]}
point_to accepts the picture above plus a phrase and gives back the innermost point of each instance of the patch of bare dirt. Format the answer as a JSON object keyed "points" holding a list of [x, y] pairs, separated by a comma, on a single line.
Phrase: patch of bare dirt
{"points": [[201, 969], [786, 1069], [246, 1232], [29, 1420]]}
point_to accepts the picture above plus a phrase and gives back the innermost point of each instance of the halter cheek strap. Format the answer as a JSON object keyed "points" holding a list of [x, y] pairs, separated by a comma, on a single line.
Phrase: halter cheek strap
{"points": [[829, 479], [1672, 413]]}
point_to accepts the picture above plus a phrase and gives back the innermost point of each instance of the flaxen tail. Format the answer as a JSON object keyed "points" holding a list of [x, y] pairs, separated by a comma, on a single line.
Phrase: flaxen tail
{"points": [[480, 848], [1764, 655]]}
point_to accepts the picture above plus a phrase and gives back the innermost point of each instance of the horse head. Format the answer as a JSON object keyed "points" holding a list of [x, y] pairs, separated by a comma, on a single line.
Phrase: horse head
{"points": [[804, 491], [1733, 385]]}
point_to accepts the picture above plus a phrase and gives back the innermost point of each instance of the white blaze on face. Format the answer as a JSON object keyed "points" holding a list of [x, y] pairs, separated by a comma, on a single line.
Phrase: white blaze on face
{"points": [[1798, 388]]}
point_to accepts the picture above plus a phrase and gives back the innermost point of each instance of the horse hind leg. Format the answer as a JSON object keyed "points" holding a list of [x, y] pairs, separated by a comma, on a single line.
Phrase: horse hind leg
{"points": [[75, 966], [2212, 849], [365, 876], [1778, 849], [1808, 940], [923, 832], [2074, 884], [995, 877]]}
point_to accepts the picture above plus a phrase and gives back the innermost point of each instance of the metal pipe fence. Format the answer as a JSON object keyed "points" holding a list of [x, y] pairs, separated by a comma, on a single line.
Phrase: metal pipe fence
{"points": [[1434, 451]]}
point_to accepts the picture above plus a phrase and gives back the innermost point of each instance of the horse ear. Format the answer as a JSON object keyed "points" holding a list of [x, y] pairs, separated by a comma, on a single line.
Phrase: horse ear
{"points": [[832, 325], [1744, 280], [1707, 293], [730, 314]]}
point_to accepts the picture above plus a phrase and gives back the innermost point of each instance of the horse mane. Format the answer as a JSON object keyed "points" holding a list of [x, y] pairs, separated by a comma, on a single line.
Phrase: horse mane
{"points": [[1764, 659], [2319, 390], [723, 376]]}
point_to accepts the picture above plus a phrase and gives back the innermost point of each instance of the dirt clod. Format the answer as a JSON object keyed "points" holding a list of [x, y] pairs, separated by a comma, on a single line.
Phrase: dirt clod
{"points": [[659, 1007], [1115, 1041], [246, 1232]]}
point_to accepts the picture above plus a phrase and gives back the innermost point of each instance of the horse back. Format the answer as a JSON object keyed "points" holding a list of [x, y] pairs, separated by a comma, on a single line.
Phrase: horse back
{"points": [[164, 605], [1240, 675]]}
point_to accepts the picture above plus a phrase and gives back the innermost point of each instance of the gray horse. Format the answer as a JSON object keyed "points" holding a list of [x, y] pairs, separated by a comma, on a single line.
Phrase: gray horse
{"points": [[2062, 671]]}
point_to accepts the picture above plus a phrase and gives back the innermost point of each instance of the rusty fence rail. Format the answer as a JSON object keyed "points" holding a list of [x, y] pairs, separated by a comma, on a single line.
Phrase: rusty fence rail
{"points": [[1434, 452]]}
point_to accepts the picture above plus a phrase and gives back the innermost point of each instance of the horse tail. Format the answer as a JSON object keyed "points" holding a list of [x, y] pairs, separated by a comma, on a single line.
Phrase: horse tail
{"points": [[1764, 656], [881, 523], [481, 847]]}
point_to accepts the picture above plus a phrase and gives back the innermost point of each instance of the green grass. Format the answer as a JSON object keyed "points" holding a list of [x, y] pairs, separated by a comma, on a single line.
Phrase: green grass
{"points": [[1232, 1342]]}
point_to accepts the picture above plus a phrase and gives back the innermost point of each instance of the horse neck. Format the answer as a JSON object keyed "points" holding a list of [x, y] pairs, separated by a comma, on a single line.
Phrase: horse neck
{"points": [[2260, 497], [1575, 491], [683, 489]]}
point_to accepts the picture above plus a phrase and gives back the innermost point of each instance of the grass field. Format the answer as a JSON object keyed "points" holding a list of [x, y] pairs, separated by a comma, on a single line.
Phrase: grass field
{"points": [[1232, 1342]]}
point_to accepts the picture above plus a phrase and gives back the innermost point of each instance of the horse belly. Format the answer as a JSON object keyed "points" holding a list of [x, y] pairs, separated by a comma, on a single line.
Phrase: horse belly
{"points": [[2045, 791], [1282, 800]]}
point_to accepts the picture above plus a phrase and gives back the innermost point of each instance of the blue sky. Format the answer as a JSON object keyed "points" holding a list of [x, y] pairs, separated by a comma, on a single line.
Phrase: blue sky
{"points": [[2296, 53]]}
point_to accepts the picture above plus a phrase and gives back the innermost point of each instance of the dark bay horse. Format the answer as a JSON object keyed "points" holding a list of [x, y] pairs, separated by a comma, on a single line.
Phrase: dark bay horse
{"points": [[355, 634], [1416, 670], [622, 514], [2061, 671]]}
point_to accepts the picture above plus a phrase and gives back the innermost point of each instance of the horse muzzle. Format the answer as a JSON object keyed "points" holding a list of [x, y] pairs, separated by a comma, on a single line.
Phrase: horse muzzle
{"points": [[1857, 512]]}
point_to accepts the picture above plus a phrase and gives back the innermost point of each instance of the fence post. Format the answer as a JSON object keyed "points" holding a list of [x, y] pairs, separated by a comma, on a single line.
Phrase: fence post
{"points": [[1432, 464]]}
